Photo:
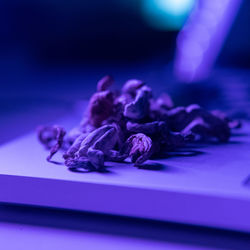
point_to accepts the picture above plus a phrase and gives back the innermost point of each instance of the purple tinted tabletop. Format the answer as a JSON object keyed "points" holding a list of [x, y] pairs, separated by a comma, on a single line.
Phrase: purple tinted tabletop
{"points": [[207, 186]]}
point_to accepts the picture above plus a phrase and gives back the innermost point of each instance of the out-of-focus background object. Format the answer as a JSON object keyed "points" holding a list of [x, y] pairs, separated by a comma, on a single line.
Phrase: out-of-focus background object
{"points": [[167, 15], [200, 41]]}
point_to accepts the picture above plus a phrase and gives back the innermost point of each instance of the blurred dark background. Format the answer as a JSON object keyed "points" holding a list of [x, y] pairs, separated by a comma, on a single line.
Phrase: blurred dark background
{"points": [[64, 32], [53, 52]]}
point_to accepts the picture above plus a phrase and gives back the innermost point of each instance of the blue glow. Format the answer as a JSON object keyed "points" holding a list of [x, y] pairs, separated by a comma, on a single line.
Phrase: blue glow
{"points": [[175, 7], [167, 14]]}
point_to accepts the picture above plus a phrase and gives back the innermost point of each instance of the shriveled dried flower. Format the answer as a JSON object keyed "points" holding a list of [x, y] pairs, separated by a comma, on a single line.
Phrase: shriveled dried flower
{"points": [[104, 83], [100, 107], [52, 138], [140, 148], [132, 124], [131, 87], [139, 108]]}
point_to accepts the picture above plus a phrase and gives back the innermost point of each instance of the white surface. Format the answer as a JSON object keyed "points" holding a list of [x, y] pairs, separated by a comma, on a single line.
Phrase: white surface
{"points": [[206, 189]]}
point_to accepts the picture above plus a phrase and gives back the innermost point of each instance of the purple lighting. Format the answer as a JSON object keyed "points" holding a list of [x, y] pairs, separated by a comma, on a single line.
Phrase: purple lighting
{"points": [[200, 41]]}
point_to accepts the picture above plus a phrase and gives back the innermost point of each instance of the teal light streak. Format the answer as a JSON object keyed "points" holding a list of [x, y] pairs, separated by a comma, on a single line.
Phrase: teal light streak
{"points": [[166, 14]]}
